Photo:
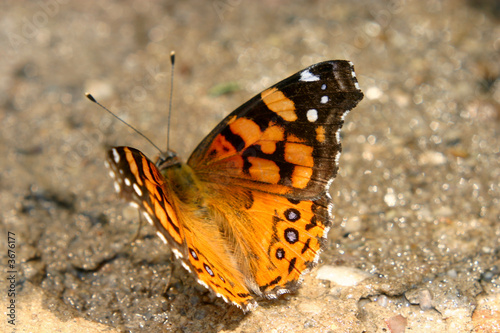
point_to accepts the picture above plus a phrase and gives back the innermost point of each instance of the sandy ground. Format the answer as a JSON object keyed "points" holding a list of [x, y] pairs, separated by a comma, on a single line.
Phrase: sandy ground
{"points": [[417, 198]]}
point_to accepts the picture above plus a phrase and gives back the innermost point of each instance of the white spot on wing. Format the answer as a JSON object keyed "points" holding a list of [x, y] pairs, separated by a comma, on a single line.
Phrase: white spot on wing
{"points": [[324, 99], [148, 218], [344, 114], [137, 189], [353, 74], [282, 291], [117, 187], [222, 296], [330, 205], [327, 229], [177, 253], [201, 282], [327, 187], [187, 268], [323, 86], [316, 260], [307, 76], [330, 214], [250, 306], [127, 181], [162, 237], [106, 164], [116, 156], [312, 115], [111, 174], [134, 204], [337, 157]]}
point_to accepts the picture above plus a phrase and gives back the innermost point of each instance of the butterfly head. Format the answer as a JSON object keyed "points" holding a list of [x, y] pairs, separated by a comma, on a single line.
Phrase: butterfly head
{"points": [[167, 159]]}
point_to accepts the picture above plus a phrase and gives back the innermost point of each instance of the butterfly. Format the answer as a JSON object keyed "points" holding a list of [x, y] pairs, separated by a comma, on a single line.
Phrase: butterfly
{"points": [[249, 212]]}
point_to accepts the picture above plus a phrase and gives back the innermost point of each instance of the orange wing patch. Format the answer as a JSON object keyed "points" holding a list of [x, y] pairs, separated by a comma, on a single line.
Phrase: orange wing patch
{"points": [[221, 148], [270, 137], [263, 170], [247, 129], [299, 154], [301, 176], [277, 102], [320, 134], [133, 166]]}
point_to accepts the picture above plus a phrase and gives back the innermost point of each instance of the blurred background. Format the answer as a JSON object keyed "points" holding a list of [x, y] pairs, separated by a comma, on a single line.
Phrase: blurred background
{"points": [[416, 227]]}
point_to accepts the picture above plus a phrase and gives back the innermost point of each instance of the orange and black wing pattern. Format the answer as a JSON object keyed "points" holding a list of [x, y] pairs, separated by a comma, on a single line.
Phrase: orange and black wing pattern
{"points": [[287, 136]]}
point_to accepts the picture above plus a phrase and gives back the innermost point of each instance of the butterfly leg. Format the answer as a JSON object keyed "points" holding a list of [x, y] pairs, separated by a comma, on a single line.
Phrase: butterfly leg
{"points": [[138, 232]]}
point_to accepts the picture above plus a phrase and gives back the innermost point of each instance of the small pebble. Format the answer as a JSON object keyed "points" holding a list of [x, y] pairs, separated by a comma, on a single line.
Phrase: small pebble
{"points": [[342, 275]]}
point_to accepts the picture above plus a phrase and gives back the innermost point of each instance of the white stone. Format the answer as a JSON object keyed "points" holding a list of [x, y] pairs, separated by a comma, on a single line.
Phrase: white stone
{"points": [[342, 275]]}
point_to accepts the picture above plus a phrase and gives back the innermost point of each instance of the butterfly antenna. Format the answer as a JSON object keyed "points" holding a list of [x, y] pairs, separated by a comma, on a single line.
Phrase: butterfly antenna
{"points": [[172, 61], [91, 98]]}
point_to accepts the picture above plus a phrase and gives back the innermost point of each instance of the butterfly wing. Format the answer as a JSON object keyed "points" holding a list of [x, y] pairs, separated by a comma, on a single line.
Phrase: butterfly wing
{"points": [[140, 182], [273, 239], [270, 164], [287, 136], [199, 245]]}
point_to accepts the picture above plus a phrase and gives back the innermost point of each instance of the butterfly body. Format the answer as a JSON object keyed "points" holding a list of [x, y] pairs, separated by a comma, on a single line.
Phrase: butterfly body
{"points": [[249, 212]]}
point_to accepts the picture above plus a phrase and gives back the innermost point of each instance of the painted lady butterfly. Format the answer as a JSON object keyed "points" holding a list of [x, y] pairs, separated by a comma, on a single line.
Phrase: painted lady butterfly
{"points": [[250, 210]]}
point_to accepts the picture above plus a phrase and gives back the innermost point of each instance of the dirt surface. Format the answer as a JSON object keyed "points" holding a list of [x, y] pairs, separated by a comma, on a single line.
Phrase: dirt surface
{"points": [[417, 198]]}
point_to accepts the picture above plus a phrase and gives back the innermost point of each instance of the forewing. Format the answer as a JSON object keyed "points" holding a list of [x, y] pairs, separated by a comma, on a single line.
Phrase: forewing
{"points": [[287, 136], [196, 242], [138, 181]]}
